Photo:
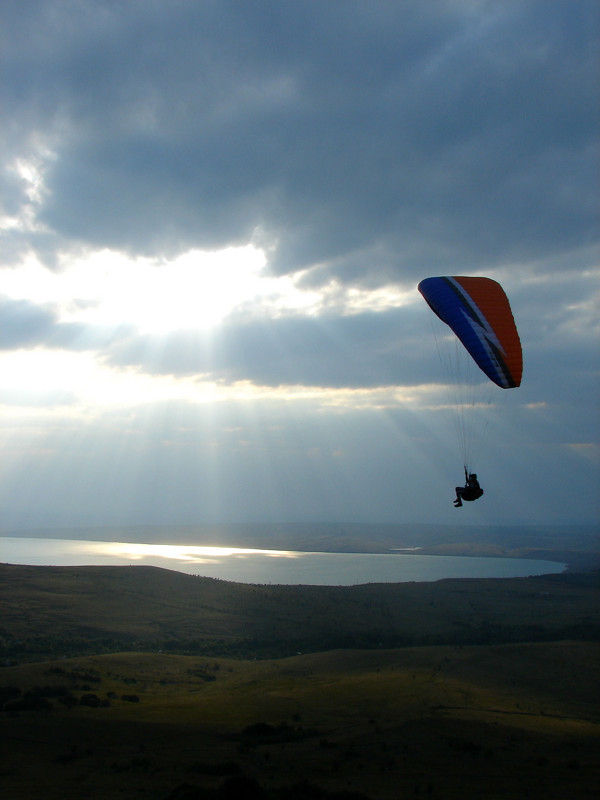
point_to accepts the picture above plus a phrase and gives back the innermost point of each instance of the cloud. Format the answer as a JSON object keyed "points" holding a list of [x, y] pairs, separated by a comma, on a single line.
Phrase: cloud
{"points": [[27, 325], [327, 348], [23, 324], [359, 152], [362, 350], [368, 146]]}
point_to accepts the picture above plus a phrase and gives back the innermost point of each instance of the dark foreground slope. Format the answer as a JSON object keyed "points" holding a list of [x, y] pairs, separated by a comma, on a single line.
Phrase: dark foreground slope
{"points": [[507, 721], [53, 612], [501, 703]]}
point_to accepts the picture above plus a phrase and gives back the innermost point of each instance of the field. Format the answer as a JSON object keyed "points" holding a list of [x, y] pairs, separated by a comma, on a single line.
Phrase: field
{"points": [[505, 721], [489, 688]]}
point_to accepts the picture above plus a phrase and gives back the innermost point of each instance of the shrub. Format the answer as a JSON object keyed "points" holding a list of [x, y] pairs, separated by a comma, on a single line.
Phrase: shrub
{"points": [[8, 693], [91, 700]]}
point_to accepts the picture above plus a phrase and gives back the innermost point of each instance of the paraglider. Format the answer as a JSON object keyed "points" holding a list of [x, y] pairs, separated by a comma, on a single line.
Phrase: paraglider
{"points": [[470, 491], [478, 312]]}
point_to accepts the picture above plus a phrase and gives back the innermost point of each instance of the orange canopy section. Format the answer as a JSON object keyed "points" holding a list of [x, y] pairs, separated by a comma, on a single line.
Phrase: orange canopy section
{"points": [[478, 311]]}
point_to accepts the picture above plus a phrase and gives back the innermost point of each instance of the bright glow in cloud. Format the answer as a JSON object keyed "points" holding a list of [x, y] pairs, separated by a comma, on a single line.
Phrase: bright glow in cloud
{"points": [[81, 385], [40, 378], [30, 175], [197, 290]]}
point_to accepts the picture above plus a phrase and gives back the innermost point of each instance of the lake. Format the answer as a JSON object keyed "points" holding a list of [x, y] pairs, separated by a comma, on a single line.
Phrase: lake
{"points": [[287, 567]]}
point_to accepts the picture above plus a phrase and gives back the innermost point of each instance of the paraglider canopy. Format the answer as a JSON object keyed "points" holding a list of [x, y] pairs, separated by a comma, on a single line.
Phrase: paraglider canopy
{"points": [[478, 311]]}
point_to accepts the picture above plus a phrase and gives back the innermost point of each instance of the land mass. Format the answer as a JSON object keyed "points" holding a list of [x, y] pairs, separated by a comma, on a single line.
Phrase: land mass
{"points": [[143, 682], [63, 611], [508, 721]]}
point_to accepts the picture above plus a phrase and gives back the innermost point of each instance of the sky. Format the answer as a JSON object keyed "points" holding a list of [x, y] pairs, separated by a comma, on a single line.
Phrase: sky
{"points": [[214, 218]]}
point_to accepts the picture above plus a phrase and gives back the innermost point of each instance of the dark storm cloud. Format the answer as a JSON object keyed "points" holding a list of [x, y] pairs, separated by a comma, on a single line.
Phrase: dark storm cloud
{"points": [[378, 140], [364, 350], [25, 325]]}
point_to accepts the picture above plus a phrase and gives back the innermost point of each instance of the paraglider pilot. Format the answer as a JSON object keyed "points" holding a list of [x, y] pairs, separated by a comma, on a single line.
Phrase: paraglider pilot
{"points": [[470, 491]]}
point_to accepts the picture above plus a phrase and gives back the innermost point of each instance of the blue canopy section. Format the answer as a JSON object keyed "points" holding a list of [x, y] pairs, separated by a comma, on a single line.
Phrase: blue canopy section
{"points": [[459, 309]]}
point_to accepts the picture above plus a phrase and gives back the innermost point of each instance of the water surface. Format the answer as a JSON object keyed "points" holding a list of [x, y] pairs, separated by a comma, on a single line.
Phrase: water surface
{"points": [[270, 566]]}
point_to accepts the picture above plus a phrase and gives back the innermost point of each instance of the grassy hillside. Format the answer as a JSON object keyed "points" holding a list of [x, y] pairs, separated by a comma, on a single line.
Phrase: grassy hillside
{"points": [[506, 722], [49, 612], [502, 702]]}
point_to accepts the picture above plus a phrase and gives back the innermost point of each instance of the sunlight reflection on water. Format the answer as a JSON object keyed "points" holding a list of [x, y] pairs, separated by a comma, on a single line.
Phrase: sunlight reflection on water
{"points": [[188, 553]]}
